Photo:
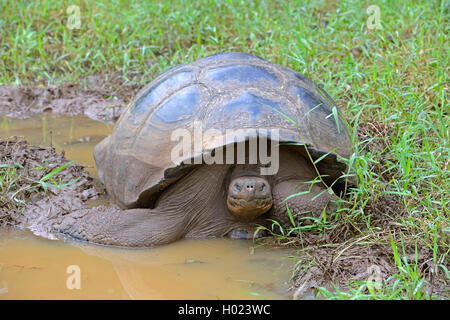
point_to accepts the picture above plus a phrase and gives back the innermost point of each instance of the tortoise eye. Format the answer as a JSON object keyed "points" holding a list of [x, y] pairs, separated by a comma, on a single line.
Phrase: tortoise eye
{"points": [[237, 187], [263, 186]]}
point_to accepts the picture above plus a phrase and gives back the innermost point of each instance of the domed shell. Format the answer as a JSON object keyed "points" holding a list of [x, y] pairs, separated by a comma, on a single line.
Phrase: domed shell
{"points": [[222, 91]]}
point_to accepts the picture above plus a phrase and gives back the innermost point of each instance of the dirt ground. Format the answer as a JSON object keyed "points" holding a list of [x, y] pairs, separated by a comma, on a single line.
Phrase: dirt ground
{"points": [[101, 99], [322, 264], [32, 202]]}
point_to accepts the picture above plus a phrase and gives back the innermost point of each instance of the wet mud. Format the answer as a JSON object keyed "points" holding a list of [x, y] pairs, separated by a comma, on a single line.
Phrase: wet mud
{"points": [[24, 200], [96, 102]]}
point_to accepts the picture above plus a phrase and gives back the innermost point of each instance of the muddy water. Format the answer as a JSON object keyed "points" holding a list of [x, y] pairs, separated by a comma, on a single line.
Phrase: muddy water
{"points": [[33, 267], [76, 135]]}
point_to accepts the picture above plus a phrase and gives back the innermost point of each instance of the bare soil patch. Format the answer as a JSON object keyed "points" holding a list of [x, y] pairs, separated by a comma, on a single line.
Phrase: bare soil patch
{"points": [[23, 201], [357, 262], [99, 101]]}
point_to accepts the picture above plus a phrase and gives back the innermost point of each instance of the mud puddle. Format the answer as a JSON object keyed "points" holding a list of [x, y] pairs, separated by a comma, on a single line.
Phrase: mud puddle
{"points": [[36, 268], [32, 267], [76, 135]]}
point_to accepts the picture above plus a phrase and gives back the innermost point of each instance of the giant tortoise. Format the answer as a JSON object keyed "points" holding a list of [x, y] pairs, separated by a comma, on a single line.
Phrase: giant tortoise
{"points": [[162, 200]]}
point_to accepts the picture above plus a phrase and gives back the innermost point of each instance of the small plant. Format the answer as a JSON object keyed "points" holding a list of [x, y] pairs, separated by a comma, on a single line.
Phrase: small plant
{"points": [[256, 294], [8, 176], [9, 180]]}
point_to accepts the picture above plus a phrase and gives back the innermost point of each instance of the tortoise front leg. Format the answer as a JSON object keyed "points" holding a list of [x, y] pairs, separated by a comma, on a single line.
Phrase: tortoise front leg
{"points": [[128, 228], [311, 202]]}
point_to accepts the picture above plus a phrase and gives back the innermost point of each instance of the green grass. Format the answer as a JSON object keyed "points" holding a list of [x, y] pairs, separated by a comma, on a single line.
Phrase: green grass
{"points": [[395, 95], [406, 283], [17, 185], [13, 184]]}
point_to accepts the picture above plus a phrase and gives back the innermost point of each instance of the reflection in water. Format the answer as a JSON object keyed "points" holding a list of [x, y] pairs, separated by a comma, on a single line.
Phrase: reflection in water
{"points": [[76, 135], [35, 268]]}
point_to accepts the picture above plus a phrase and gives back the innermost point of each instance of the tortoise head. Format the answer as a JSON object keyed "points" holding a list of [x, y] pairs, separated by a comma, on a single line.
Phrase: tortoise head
{"points": [[249, 195]]}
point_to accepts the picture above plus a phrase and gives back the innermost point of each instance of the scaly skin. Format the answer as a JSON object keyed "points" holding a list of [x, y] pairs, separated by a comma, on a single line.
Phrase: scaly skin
{"points": [[185, 210], [196, 207]]}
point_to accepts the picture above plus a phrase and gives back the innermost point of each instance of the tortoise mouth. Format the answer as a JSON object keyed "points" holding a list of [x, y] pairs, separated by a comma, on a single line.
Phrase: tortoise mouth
{"points": [[248, 208]]}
